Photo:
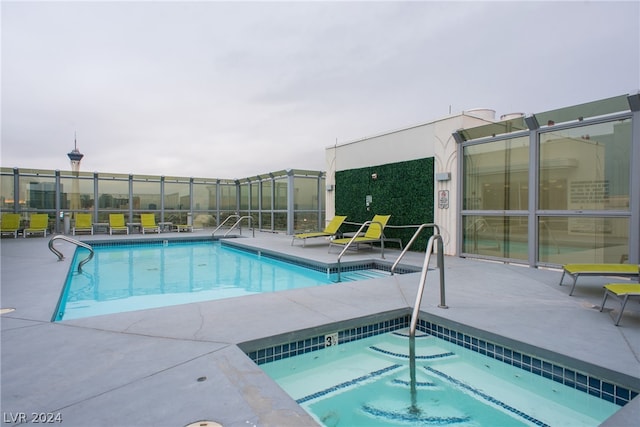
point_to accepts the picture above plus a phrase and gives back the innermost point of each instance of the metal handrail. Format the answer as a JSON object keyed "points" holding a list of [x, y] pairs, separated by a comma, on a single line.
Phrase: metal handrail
{"points": [[224, 222], [250, 218], [75, 242], [357, 233], [416, 309], [423, 280], [413, 239]]}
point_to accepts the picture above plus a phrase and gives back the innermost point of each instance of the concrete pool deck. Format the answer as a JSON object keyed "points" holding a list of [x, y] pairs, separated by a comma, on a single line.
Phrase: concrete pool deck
{"points": [[178, 365]]}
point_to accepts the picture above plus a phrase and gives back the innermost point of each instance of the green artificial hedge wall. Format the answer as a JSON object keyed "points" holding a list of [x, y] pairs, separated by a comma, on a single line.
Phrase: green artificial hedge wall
{"points": [[405, 190]]}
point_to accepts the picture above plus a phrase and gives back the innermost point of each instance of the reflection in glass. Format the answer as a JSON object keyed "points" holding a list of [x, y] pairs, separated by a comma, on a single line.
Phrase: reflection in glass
{"points": [[496, 175], [496, 236], [146, 195], [586, 168], [583, 239]]}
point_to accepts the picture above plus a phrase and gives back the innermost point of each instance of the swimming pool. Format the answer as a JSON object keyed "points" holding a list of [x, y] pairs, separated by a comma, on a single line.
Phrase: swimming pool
{"points": [[460, 380], [134, 276]]}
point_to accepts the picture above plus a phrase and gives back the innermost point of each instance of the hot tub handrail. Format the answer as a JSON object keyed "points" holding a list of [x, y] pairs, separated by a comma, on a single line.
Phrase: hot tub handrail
{"points": [[75, 242], [250, 218], [416, 308], [423, 280], [413, 239]]}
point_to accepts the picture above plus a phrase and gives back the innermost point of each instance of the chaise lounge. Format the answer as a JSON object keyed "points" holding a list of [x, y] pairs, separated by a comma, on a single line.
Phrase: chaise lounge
{"points": [[38, 224], [148, 223], [10, 224], [622, 291], [577, 270], [116, 223], [329, 231], [374, 234], [83, 223]]}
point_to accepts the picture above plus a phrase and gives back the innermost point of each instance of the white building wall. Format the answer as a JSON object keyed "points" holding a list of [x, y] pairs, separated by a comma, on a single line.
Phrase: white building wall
{"points": [[432, 139]]}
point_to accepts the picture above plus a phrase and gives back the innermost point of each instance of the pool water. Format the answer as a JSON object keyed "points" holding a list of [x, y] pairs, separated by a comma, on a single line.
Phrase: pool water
{"points": [[131, 277], [367, 383]]}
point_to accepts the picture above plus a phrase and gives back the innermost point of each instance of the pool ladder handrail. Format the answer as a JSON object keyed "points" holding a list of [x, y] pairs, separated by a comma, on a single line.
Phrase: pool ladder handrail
{"points": [[75, 242], [239, 220], [416, 307], [356, 234]]}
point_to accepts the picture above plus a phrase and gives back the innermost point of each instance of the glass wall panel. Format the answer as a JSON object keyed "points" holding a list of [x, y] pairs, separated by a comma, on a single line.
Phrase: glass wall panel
{"points": [[255, 196], [7, 192], [496, 175], [280, 202], [146, 195], [228, 198], [584, 239], [76, 194], [266, 195], [243, 189], [496, 236], [586, 168], [204, 195], [280, 221], [265, 217], [305, 221], [305, 195], [176, 196], [113, 195], [38, 191]]}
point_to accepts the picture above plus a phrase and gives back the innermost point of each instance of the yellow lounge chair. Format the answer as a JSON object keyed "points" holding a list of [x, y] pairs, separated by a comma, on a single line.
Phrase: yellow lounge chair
{"points": [[330, 230], [83, 223], [576, 270], [10, 224], [373, 234], [116, 223], [622, 291], [148, 223], [38, 223]]}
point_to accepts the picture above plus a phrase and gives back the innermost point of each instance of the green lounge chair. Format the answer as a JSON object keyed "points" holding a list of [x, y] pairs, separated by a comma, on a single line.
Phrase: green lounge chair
{"points": [[577, 270], [148, 223], [116, 223], [374, 234], [83, 223], [329, 231], [622, 291], [10, 224], [38, 223]]}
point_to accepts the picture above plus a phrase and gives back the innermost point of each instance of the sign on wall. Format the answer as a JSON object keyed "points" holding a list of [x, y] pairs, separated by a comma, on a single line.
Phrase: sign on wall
{"points": [[443, 199]]}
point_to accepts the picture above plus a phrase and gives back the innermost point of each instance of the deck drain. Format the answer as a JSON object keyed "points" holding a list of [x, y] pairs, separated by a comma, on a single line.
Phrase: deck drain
{"points": [[6, 310], [204, 424]]}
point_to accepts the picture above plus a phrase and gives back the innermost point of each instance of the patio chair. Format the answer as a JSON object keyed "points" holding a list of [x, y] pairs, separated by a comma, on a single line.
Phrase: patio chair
{"points": [[329, 231], [182, 227], [116, 223], [84, 223], [577, 270], [148, 223], [38, 223], [374, 234], [622, 291], [10, 224]]}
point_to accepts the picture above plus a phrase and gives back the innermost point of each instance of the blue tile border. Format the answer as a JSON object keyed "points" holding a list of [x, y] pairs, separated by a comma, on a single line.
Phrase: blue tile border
{"points": [[564, 375], [556, 372]]}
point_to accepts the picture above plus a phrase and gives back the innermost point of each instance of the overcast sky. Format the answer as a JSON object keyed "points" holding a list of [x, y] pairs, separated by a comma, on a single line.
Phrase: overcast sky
{"points": [[236, 89]]}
